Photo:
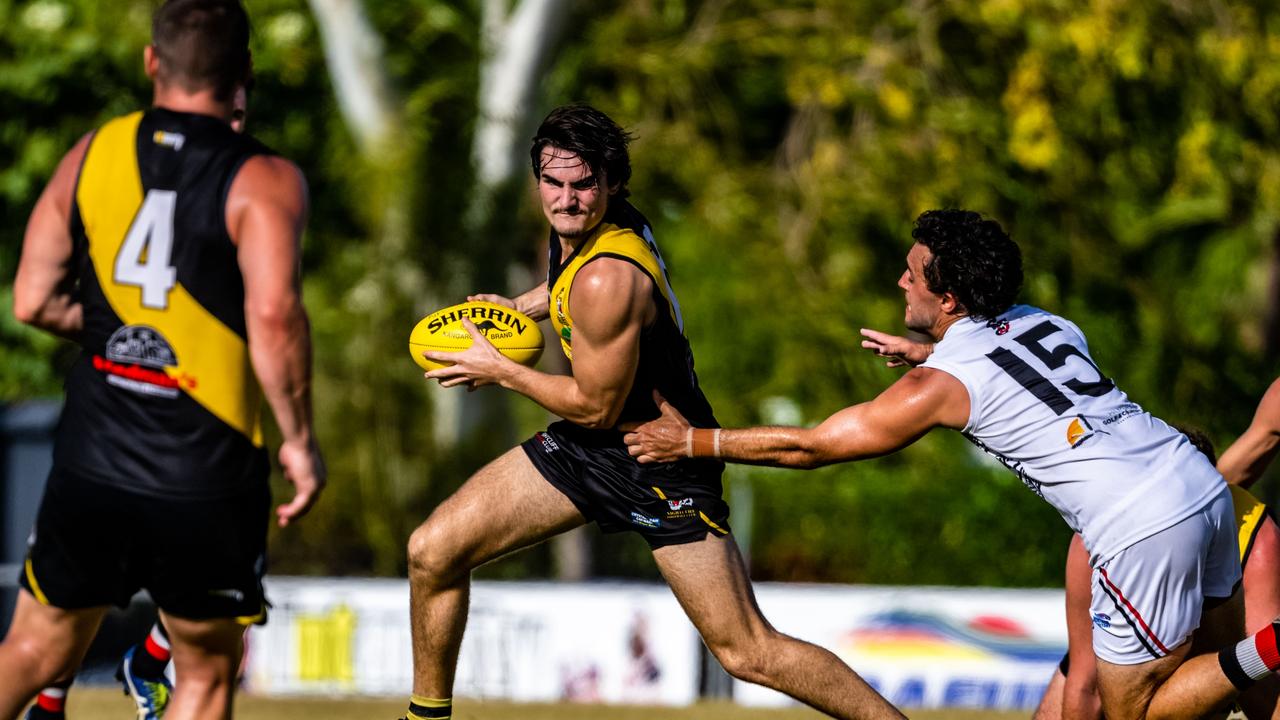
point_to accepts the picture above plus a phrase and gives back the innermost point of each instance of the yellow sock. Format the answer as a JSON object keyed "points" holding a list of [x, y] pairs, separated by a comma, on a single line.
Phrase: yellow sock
{"points": [[425, 708]]}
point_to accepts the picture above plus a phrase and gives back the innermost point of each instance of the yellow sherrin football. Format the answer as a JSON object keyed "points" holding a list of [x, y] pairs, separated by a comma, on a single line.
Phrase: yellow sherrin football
{"points": [[513, 333]]}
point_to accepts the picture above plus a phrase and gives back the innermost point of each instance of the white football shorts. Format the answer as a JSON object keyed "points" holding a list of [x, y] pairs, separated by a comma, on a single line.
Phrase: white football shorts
{"points": [[1147, 599]]}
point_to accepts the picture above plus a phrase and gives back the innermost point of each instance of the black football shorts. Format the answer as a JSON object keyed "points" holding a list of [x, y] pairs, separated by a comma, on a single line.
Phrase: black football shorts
{"points": [[666, 503], [95, 545]]}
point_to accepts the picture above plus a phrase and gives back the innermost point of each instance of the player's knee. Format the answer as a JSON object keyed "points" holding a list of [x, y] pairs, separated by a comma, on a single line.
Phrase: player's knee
{"points": [[432, 556], [43, 667], [745, 660]]}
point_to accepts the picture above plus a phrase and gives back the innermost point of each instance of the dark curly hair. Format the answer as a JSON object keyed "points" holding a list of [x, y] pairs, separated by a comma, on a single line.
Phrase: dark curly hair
{"points": [[1198, 439], [592, 136], [973, 259]]}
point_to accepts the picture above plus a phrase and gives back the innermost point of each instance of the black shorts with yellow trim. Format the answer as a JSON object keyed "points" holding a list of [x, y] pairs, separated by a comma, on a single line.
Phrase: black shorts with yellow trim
{"points": [[95, 545], [666, 503]]}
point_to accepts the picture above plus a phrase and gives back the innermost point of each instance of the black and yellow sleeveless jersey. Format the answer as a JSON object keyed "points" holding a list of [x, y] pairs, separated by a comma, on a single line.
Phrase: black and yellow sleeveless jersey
{"points": [[163, 399], [666, 360], [1250, 512]]}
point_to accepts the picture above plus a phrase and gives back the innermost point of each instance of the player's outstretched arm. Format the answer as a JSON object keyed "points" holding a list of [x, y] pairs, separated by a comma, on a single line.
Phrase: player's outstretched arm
{"points": [[612, 304], [900, 351], [918, 402], [44, 290], [535, 303], [266, 212], [1248, 457]]}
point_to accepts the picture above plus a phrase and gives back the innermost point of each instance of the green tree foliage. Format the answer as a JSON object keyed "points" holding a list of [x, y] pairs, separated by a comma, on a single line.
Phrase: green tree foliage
{"points": [[783, 149]]}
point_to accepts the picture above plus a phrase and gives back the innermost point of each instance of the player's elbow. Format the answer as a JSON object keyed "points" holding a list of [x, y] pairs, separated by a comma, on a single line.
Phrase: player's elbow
{"points": [[24, 311], [285, 316]]}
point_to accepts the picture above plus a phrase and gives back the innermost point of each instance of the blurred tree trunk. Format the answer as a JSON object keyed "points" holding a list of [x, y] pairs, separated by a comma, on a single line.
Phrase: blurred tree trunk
{"points": [[384, 292]]}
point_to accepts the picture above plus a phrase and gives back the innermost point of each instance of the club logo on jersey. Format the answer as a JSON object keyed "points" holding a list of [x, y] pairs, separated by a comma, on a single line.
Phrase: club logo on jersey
{"points": [[644, 521], [169, 139], [1102, 620], [566, 332], [1000, 326], [680, 508], [1078, 431], [136, 359]]}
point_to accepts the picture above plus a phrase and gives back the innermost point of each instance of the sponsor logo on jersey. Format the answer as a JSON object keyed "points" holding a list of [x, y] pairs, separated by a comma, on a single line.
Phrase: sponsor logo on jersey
{"points": [[1078, 430], [548, 444], [1127, 410], [136, 359], [1102, 620], [169, 139], [645, 521]]}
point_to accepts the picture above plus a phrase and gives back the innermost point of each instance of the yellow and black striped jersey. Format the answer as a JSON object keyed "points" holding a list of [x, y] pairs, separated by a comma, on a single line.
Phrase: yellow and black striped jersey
{"points": [[666, 360], [163, 399], [1250, 512]]}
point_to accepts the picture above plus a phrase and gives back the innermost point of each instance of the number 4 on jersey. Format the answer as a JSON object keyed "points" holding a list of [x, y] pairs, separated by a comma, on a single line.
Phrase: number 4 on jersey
{"points": [[150, 235]]}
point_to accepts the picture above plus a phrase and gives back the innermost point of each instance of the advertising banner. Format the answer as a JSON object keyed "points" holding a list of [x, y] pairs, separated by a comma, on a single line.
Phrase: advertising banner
{"points": [[608, 642], [926, 647]]}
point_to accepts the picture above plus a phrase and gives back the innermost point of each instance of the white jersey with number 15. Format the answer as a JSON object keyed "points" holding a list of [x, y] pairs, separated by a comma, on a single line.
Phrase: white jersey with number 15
{"points": [[1039, 404]]}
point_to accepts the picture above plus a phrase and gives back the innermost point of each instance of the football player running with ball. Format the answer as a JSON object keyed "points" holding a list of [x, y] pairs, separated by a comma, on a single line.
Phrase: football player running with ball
{"points": [[612, 306], [1155, 515]]}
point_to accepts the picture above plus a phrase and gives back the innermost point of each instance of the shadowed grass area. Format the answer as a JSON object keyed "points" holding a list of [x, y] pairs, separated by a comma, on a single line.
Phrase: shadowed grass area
{"points": [[106, 704]]}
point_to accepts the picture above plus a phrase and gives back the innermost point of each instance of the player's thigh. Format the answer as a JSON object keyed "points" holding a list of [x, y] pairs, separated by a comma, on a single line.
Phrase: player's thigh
{"points": [[207, 650], [52, 635], [1127, 690], [709, 579], [505, 506]]}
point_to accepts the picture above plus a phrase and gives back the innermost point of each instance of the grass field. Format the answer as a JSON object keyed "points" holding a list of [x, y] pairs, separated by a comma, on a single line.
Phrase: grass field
{"points": [[104, 704]]}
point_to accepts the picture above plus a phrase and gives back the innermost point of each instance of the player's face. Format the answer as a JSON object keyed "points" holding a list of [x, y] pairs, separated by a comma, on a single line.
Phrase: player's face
{"points": [[574, 198], [923, 307]]}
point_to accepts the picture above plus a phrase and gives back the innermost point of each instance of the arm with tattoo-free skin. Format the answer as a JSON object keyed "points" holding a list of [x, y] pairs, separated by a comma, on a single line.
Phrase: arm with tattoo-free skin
{"points": [[1248, 457], [266, 210], [43, 290], [918, 402], [612, 304], [899, 351]]}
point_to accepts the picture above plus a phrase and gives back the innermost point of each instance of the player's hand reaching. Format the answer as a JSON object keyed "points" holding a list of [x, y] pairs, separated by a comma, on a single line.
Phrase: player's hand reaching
{"points": [[900, 351], [304, 469], [477, 366], [495, 299], [663, 439]]}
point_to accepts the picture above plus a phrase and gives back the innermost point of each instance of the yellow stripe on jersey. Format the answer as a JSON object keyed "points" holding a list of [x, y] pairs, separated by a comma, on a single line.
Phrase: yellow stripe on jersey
{"points": [[213, 364], [1249, 512], [608, 239]]}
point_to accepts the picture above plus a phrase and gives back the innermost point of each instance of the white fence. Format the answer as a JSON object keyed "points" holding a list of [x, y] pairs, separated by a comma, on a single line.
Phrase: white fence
{"points": [[631, 643]]}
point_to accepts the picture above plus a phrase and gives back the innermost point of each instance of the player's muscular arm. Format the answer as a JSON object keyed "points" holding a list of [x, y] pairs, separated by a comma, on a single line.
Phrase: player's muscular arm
{"points": [[1248, 457], [921, 400], [612, 303], [266, 212], [535, 303], [43, 290]]}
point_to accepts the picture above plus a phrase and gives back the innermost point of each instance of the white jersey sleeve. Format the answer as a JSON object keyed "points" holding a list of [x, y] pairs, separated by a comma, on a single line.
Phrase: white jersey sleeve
{"points": [[1041, 406]]}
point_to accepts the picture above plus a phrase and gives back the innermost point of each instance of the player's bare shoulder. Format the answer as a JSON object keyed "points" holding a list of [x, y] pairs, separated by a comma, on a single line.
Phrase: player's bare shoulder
{"points": [[931, 393], [267, 183], [610, 293]]}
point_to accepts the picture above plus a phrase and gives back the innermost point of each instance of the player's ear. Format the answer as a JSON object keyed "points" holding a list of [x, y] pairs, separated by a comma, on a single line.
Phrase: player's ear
{"points": [[949, 304], [150, 61]]}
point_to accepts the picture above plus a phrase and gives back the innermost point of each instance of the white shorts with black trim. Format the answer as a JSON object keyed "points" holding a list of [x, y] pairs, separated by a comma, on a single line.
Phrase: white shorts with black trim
{"points": [[1147, 599]]}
